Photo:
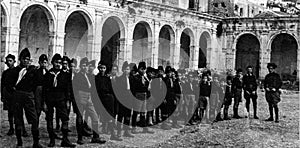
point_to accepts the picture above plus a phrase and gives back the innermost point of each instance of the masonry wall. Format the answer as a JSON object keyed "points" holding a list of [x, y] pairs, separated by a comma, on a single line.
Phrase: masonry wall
{"points": [[95, 13]]}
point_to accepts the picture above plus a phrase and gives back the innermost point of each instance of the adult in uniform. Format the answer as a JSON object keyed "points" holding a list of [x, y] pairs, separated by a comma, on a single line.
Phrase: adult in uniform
{"points": [[250, 87], [272, 85], [56, 94], [237, 87], [22, 88]]}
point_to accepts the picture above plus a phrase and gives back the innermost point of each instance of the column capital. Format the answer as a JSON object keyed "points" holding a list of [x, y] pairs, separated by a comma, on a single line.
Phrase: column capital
{"points": [[61, 6]]}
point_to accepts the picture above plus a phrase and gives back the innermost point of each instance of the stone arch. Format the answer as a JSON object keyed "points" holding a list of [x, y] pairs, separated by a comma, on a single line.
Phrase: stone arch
{"points": [[284, 53], [120, 22], [166, 45], [78, 40], [87, 16], [204, 48], [48, 11], [37, 30], [186, 48], [247, 51], [142, 43], [113, 40]]}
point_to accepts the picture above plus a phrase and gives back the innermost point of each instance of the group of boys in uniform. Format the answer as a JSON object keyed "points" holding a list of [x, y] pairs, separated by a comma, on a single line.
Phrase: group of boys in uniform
{"points": [[141, 97]]}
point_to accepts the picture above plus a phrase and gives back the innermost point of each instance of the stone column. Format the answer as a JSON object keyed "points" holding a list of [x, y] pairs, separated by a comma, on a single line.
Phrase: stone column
{"points": [[90, 45], [59, 38], [130, 31], [177, 51], [59, 42], [172, 51], [264, 56], [208, 57], [121, 53], [155, 49], [14, 29], [96, 55], [196, 57], [128, 51]]}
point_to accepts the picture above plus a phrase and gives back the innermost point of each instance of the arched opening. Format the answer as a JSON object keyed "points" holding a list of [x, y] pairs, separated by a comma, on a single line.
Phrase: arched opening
{"points": [[204, 44], [284, 54], [186, 40], [35, 32], [3, 32], [76, 35], [166, 42], [247, 53], [141, 48], [111, 35]]}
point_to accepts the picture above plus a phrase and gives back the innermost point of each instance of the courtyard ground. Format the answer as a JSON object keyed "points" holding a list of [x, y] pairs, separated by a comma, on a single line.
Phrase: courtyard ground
{"points": [[233, 133]]}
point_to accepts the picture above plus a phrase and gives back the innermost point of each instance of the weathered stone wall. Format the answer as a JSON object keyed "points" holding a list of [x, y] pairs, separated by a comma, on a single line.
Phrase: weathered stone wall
{"points": [[62, 37], [265, 30]]}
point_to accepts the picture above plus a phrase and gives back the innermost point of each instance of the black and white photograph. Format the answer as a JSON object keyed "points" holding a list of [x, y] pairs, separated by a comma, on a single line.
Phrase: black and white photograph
{"points": [[150, 73]]}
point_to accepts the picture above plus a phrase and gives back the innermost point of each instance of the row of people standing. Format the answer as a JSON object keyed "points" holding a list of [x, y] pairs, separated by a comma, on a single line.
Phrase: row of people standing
{"points": [[152, 95]]}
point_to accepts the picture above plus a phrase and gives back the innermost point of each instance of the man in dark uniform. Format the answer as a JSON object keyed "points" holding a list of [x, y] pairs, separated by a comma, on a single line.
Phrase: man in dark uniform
{"points": [[106, 95], [250, 87], [41, 71], [272, 85], [237, 86], [23, 87], [56, 94], [141, 88], [7, 97]]}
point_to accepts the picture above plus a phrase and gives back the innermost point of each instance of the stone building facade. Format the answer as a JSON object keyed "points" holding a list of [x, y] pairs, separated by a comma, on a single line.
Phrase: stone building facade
{"points": [[156, 33], [159, 32]]}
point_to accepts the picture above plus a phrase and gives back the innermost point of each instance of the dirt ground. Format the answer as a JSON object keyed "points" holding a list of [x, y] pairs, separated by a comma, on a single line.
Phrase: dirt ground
{"points": [[245, 132]]}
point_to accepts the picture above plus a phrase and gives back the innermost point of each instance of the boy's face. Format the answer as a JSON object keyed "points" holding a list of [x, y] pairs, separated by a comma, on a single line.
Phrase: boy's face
{"points": [[216, 79], [271, 69], [102, 69], [10, 62], [72, 67], [91, 68], [25, 61], [127, 70], [84, 68], [205, 79], [250, 70], [240, 74], [65, 64], [43, 64], [57, 64], [142, 70], [229, 82], [114, 71]]}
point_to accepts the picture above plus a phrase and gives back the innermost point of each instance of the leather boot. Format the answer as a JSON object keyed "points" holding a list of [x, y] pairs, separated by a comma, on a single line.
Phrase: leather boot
{"points": [[113, 135], [66, 142], [19, 137], [52, 139], [36, 143], [255, 111], [96, 138], [271, 114]]}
